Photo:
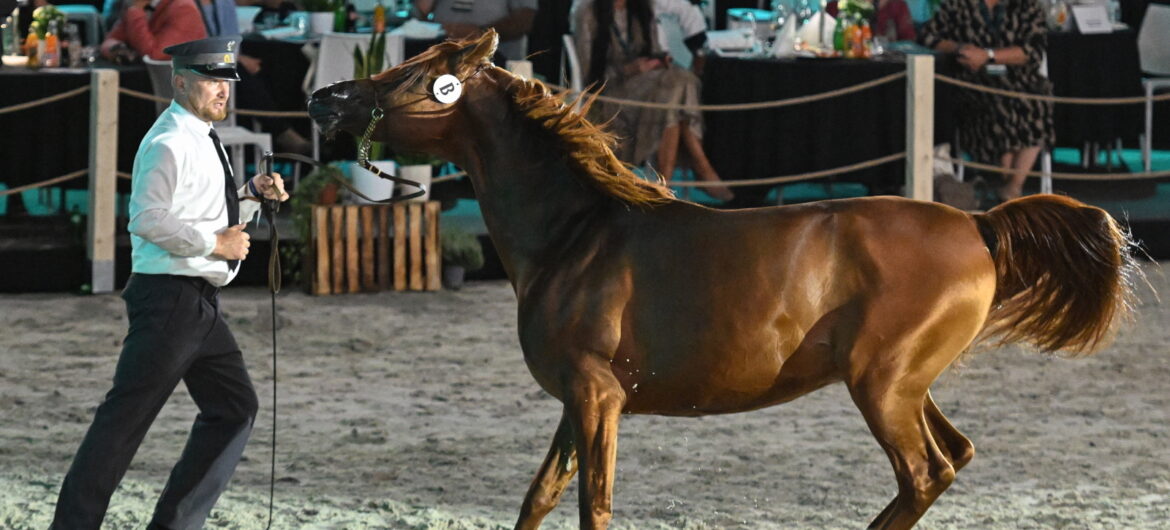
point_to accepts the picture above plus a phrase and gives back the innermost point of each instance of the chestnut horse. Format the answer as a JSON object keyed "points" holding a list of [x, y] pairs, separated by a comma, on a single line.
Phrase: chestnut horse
{"points": [[632, 302]]}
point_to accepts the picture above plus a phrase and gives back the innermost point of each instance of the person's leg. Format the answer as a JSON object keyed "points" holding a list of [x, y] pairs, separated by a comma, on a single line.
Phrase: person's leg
{"points": [[1019, 162], [220, 386], [703, 168], [154, 356], [668, 151]]}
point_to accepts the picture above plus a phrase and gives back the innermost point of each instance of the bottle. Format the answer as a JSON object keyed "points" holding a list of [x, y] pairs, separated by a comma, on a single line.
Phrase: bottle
{"points": [[51, 57], [379, 18], [839, 34], [340, 17], [32, 46], [74, 47]]}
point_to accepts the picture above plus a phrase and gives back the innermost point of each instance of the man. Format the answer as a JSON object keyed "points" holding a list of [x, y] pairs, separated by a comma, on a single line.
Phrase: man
{"points": [[461, 19], [187, 241], [146, 27]]}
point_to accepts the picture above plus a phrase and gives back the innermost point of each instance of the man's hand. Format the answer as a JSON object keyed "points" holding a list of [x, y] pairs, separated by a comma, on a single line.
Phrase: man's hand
{"points": [[271, 188], [972, 57], [232, 243], [251, 64]]}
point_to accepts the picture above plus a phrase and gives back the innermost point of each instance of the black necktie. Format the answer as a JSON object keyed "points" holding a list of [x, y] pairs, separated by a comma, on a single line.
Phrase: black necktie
{"points": [[230, 195]]}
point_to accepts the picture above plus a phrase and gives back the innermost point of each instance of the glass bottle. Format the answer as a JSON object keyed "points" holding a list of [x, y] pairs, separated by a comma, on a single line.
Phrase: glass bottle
{"points": [[340, 17], [32, 47], [51, 57]]}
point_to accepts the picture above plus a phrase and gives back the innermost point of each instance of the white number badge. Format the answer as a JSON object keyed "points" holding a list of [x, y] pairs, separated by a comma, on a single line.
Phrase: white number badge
{"points": [[447, 89]]}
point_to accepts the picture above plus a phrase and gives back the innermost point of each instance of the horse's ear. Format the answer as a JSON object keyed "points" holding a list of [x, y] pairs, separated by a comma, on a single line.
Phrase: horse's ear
{"points": [[478, 51]]}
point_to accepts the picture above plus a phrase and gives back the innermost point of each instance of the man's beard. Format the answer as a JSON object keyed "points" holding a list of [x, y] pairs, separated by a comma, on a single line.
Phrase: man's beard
{"points": [[208, 111]]}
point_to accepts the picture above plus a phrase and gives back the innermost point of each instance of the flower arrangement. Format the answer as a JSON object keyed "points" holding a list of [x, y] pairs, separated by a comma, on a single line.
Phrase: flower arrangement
{"points": [[861, 9], [45, 15]]}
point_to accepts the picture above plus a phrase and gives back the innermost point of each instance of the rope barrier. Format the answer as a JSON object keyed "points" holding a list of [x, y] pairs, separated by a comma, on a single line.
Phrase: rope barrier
{"points": [[795, 177], [45, 100], [241, 112], [723, 107], [1061, 175], [50, 182], [754, 182], [1053, 99]]}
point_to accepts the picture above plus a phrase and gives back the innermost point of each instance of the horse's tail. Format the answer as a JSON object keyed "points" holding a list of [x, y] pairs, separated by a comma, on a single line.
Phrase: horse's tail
{"points": [[1064, 273]]}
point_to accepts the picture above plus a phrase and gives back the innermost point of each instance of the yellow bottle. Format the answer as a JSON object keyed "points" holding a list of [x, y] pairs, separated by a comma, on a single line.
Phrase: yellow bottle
{"points": [[31, 45]]}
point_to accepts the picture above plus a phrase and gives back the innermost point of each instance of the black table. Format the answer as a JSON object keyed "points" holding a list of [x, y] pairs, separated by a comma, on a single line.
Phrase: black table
{"points": [[1095, 66], [813, 136], [51, 140]]}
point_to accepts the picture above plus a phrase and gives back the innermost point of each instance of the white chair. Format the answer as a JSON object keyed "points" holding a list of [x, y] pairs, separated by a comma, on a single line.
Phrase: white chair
{"points": [[571, 69], [87, 17], [233, 137], [1154, 52], [334, 62]]}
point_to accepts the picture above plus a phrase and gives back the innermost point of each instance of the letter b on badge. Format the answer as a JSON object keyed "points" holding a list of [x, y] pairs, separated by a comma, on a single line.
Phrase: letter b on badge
{"points": [[447, 89]]}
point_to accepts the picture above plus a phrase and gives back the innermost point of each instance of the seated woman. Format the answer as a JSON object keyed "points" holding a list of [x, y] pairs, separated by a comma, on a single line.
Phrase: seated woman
{"points": [[617, 42], [1001, 44]]}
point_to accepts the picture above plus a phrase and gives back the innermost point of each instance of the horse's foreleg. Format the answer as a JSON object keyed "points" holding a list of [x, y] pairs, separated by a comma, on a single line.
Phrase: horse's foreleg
{"points": [[558, 468], [594, 401]]}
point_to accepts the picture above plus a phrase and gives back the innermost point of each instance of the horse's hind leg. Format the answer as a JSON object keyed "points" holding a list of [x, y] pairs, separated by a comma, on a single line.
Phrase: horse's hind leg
{"points": [[900, 426], [555, 473], [958, 449]]}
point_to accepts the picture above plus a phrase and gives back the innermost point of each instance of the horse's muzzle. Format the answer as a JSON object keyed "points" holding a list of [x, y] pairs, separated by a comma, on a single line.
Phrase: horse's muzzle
{"points": [[341, 106]]}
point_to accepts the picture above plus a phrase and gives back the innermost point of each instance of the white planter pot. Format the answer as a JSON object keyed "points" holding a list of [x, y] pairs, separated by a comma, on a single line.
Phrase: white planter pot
{"points": [[420, 174], [321, 22], [373, 186]]}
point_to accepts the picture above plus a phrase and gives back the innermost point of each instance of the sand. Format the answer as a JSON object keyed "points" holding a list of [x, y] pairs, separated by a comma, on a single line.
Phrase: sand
{"points": [[415, 411]]}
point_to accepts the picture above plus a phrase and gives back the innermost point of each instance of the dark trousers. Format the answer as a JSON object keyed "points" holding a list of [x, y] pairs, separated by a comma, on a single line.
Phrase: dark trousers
{"points": [[176, 332]]}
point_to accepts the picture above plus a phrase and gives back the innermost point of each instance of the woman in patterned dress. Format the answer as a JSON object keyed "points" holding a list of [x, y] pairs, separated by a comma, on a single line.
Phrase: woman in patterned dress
{"points": [[617, 42], [1001, 44]]}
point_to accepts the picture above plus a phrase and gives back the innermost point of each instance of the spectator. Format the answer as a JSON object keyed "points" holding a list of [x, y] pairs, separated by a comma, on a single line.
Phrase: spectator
{"points": [[617, 42], [461, 19], [1001, 44], [145, 27]]}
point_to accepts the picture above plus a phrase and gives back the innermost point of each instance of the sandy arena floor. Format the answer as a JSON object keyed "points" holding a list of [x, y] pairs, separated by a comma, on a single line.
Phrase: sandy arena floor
{"points": [[415, 411]]}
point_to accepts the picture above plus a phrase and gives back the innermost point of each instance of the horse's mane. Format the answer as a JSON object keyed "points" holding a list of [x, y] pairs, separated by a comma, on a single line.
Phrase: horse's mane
{"points": [[590, 146]]}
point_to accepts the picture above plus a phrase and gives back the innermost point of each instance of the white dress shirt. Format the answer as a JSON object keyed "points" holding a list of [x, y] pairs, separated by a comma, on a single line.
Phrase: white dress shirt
{"points": [[177, 202]]}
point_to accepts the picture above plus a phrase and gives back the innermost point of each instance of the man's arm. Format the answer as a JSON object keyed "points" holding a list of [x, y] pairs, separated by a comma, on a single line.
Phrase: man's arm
{"points": [[151, 196]]}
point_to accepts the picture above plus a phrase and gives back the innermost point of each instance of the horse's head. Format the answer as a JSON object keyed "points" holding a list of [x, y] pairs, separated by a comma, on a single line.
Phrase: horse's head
{"points": [[418, 97]]}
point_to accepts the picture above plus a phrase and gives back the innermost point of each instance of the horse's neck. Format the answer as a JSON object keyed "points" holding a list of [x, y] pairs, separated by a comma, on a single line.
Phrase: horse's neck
{"points": [[529, 197]]}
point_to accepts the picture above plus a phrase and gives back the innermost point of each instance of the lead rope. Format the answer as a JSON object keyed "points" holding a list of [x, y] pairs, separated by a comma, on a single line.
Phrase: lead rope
{"points": [[269, 207]]}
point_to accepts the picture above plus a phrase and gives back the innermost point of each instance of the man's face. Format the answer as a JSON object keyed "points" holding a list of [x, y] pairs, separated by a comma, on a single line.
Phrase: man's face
{"points": [[205, 97]]}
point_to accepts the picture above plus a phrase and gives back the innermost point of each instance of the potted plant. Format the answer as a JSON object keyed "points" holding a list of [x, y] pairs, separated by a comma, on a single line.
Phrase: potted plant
{"points": [[462, 253], [365, 64], [417, 167], [318, 188], [320, 15]]}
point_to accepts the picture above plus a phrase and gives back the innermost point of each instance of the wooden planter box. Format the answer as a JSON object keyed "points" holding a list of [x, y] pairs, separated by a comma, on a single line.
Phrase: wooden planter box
{"points": [[350, 248]]}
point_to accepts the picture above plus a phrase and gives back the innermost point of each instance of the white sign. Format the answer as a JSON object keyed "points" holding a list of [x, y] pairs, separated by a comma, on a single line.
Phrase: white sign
{"points": [[447, 89], [1092, 19]]}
